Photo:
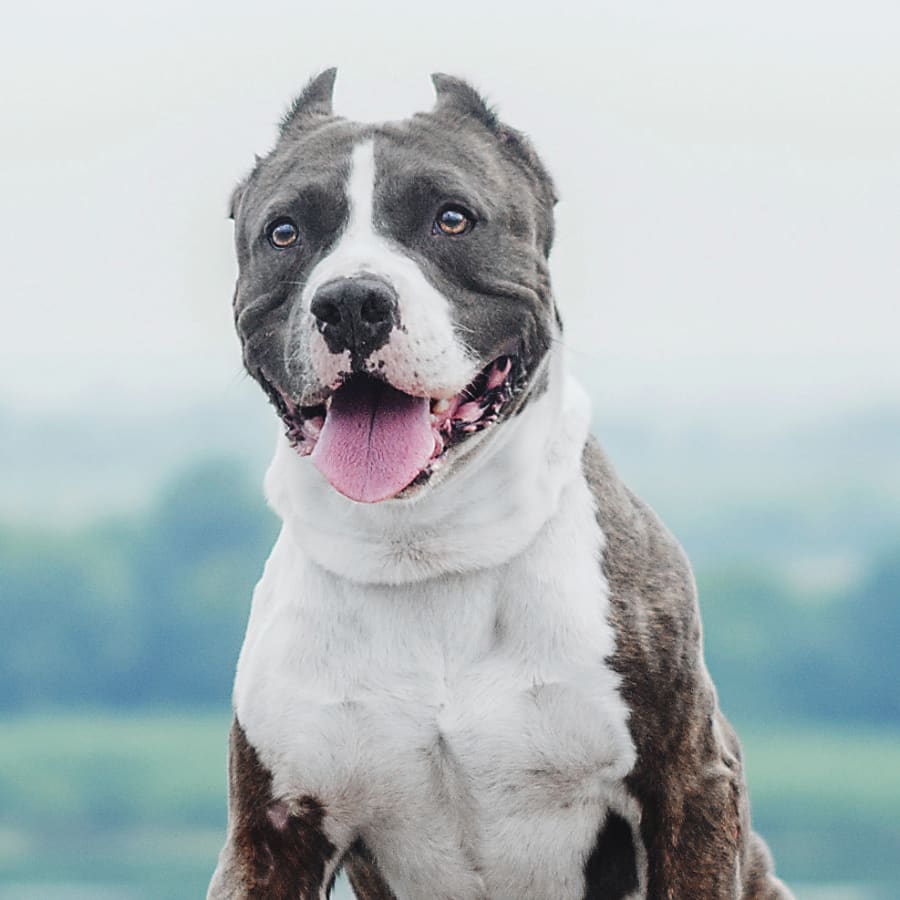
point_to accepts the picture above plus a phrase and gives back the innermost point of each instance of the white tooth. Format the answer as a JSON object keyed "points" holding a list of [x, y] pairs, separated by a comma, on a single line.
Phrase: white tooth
{"points": [[441, 406]]}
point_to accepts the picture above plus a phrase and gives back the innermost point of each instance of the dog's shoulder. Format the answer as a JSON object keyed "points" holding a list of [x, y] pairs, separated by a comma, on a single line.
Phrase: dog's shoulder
{"points": [[683, 741], [643, 563], [652, 605]]}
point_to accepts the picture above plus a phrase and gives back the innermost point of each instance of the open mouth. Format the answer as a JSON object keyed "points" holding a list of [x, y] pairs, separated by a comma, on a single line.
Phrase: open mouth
{"points": [[371, 441]]}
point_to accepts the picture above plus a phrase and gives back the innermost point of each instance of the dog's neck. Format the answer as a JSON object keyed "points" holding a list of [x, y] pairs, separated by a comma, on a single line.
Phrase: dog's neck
{"points": [[487, 512]]}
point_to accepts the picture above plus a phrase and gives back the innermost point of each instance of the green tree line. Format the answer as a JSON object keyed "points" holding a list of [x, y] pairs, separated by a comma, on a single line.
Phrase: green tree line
{"points": [[150, 610]]}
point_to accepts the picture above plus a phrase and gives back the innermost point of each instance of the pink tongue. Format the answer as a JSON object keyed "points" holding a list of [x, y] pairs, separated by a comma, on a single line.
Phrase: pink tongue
{"points": [[375, 440]]}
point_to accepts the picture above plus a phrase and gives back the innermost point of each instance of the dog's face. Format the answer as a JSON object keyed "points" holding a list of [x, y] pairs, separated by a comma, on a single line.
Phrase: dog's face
{"points": [[393, 297]]}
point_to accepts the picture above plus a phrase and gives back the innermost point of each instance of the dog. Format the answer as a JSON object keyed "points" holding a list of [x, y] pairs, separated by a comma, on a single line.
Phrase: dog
{"points": [[473, 666]]}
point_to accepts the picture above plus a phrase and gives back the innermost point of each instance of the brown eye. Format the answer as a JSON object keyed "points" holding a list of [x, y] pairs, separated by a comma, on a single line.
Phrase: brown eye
{"points": [[283, 233], [453, 220]]}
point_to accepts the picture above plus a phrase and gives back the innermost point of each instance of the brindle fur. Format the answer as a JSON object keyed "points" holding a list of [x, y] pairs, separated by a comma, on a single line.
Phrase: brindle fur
{"points": [[689, 777], [266, 856]]}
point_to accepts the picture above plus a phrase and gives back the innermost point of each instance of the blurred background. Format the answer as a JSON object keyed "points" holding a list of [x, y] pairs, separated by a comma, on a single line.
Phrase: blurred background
{"points": [[727, 260]]}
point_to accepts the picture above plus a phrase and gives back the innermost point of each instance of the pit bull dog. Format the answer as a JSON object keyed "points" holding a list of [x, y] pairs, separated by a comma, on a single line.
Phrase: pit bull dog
{"points": [[473, 668]]}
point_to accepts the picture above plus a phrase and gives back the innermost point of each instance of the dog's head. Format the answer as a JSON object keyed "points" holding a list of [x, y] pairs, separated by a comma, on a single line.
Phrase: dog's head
{"points": [[393, 296]]}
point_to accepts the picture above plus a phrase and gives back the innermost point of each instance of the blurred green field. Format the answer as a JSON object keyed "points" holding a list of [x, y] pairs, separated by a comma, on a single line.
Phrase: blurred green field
{"points": [[128, 806], [132, 807]]}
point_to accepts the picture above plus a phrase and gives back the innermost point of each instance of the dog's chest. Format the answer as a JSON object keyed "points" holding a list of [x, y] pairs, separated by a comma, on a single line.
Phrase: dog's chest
{"points": [[467, 728]]}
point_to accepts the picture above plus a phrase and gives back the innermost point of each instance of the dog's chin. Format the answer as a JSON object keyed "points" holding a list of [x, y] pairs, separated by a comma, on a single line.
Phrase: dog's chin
{"points": [[373, 442]]}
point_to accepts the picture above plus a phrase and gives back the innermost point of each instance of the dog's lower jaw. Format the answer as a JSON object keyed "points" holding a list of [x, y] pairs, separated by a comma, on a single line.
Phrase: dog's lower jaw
{"points": [[486, 511]]}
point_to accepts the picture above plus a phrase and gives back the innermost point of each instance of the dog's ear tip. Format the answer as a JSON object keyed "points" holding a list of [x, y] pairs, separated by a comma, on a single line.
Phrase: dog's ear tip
{"points": [[446, 86], [319, 89], [457, 93], [315, 100], [326, 77]]}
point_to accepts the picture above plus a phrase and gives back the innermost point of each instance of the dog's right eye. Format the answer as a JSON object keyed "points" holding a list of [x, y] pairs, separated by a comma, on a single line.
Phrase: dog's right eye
{"points": [[453, 221], [283, 233]]}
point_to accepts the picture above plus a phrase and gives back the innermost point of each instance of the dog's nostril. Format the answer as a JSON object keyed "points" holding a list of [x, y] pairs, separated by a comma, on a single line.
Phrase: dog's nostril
{"points": [[376, 308], [326, 311]]}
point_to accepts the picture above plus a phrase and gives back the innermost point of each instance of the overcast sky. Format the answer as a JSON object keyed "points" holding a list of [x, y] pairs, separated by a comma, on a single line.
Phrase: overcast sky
{"points": [[730, 177]]}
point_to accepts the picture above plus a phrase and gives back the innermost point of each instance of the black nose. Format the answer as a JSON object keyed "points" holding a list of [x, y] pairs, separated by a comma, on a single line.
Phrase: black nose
{"points": [[355, 314]]}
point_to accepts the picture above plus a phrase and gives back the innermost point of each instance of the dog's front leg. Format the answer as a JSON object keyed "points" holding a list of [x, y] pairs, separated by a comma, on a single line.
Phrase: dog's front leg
{"points": [[699, 841], [276, 849]]}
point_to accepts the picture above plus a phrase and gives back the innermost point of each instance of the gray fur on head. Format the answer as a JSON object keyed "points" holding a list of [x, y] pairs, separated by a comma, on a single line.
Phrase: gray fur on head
{"points": [[494, 281], [313, 104], [457, 97]]}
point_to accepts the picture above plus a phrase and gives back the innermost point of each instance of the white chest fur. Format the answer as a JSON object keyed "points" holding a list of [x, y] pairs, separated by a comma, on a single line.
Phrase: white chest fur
{"points": [[466, 726]]}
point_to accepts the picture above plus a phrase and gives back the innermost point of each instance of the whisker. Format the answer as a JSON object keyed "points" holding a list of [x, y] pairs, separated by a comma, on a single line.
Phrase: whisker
{"points": [[459, 327]]}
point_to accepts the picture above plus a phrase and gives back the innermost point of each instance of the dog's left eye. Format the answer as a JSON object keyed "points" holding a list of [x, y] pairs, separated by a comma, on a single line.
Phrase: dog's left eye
{"points": [[283, 233], [453, 221]]}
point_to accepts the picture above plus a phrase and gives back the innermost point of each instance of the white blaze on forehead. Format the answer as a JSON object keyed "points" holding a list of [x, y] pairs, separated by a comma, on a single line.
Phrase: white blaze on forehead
{"points": [[424, 356]]}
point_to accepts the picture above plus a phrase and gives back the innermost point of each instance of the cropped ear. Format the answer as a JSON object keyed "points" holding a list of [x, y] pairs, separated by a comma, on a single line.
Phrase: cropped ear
{"points": [[314, 102], [456, 94]]}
